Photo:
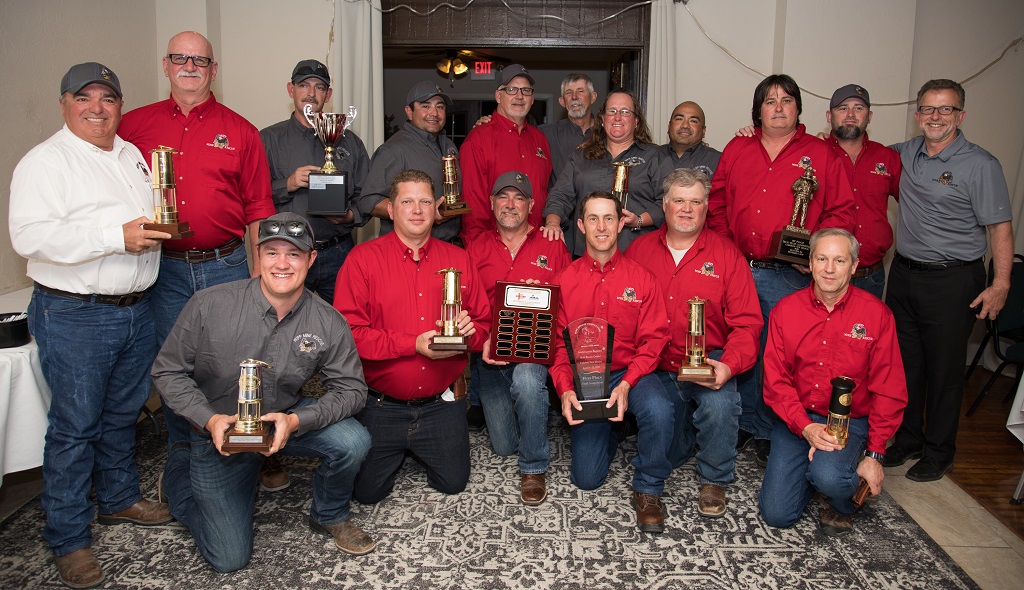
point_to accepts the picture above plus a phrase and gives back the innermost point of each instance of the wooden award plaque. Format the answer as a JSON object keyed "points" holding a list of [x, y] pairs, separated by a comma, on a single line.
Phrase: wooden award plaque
{"points": [[524, 323]]}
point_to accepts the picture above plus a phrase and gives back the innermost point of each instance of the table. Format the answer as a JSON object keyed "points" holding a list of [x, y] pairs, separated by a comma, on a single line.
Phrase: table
{"points": [[24, 398], [1015, 424]]}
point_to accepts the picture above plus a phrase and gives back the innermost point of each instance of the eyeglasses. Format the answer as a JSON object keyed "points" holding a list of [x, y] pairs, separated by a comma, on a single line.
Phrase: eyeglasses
{"points": [[946, 110], [295, 229], [514, 90], [180, 59], [623, 112]]}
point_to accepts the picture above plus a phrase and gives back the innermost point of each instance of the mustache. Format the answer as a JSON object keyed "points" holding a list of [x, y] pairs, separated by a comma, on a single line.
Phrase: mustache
{"points": [[186, 74]]}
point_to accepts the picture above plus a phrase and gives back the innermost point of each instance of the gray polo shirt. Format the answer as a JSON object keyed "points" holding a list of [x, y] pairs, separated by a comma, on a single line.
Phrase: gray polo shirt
{"points": [[581, 176], [700, 156], [409, 149], [196, 371], [291, 144], [946, 200], [564, 137]]}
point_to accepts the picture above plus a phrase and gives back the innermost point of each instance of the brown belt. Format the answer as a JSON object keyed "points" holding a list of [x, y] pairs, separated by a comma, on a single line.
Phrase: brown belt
{"points": [[118, 300], [866, 270], [194, 256]]}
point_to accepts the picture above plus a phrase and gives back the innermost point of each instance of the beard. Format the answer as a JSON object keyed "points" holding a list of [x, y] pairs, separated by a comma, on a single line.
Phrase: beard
{"points": [[848, 131], [576, 109]]}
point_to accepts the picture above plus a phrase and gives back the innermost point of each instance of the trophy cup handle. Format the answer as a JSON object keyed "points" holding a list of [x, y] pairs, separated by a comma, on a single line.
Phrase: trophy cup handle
{"points": [[352, 112], [307, 111]]}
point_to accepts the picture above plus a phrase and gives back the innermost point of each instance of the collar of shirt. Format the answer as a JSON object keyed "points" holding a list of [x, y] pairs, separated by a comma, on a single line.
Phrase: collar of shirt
{"points": [[405, 251], [200, 110], [507, 124], [801, 130], [426, 137], [947, 152], [260, 301], [298, 127], [609, 266], [834, 141], [697, 245], [818, 303], [85, 146]]}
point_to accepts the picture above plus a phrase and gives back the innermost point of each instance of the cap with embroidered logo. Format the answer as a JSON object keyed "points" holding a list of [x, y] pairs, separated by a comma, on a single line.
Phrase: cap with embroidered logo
{"points": [[310, 68], [81, 75], [516, 180], [849, 91], [424, 91], [511, 71]]}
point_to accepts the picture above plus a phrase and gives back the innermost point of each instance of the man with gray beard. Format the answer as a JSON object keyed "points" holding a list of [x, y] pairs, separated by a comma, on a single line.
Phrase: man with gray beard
{"points": [[565, 135]]}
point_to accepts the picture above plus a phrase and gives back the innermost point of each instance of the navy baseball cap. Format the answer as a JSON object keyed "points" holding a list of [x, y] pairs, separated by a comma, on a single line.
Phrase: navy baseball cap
{"points": [[849, 91], [81, 75]]}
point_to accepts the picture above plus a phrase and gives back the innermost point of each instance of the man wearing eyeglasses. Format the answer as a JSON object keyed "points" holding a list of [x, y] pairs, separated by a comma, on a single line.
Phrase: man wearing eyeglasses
{"points": [[507, 142], [271, 318], [686, 147], [293, 151], [419, 145], [952, 193], [223, 184], [565, 135]]}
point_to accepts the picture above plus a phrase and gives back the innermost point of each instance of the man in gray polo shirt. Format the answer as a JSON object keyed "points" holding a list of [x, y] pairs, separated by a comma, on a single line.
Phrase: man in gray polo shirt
{"points": [[952, 193], [420, 145], [686, 147], [566, 135]]}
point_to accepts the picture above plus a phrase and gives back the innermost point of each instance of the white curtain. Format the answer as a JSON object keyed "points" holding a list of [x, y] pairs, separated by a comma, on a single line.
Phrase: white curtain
{"points": [[663, 83]]}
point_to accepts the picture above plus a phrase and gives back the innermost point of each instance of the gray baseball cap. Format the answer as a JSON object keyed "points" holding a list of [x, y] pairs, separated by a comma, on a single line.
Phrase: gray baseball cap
{"points": [[849, 91], [310, 68], [513, 70], [516, 180], [81, 75], [290, 227], [424, 91]]}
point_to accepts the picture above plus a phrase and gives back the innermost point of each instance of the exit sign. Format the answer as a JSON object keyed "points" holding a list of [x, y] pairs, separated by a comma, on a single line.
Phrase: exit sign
{"points": [[482, 70]]}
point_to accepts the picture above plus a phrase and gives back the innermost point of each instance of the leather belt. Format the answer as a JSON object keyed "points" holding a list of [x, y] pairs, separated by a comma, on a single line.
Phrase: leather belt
{"points": [[767, 264], [328, 243], [194, 256], [420, 401], [943, 265], [866, 270], [119, 300]]}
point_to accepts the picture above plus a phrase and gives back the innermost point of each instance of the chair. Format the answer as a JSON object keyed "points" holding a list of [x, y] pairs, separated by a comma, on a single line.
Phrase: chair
{"points": [[1008, 324]]}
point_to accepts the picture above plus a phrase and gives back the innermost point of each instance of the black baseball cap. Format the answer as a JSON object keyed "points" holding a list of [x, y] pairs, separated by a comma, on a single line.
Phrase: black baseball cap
{"points": [[849, 91], [516, 180], [287, 226], [424, 91], [513, 70], [310, 68], [81, 75]]}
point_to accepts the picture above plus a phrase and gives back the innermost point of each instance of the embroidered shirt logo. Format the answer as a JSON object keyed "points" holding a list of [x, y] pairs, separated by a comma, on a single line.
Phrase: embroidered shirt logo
{"points": [[859, 332], [880, 169], [145, 171], [633, 161], [542, 262], [805, 162], [629, 296], [220, 141], [707, 269], [540, 154], [307, 343], [946, 178]]}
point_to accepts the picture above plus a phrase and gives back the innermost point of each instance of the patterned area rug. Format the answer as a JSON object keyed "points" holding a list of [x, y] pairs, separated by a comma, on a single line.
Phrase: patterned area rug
{"points": [[484, 538]]}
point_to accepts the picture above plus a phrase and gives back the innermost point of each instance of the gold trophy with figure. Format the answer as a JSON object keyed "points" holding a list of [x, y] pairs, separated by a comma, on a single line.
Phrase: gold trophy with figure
{"points": [[838, 422], [250, 434], [792, 244], [695, 367], [452, 204], [165, 212], [451, 307], [620, 182]]}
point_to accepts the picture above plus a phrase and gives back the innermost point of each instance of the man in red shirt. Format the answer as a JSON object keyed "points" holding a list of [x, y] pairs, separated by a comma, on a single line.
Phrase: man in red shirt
{"points": [[390, 292], [828, 330], [515, 395], [506, 142], [691, 261], [752, 198], [874, 172], [605, 284], [223, 188]]}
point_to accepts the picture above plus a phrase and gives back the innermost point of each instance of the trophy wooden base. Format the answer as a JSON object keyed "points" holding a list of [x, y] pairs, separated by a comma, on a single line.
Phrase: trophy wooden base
{"points": [[791, 245], [448, 343], [177, 230], [248, 442], [328, 193], [698, 374], [449, 210], [594, 409]]}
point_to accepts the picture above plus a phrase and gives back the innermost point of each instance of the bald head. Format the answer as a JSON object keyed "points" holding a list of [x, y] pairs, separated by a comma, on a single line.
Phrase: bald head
{"points": [[190, 82], [686, 126]]}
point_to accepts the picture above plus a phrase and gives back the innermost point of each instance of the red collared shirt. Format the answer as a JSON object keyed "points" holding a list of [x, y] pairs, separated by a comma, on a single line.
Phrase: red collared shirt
{"points": [[626, 295], [808, 346], [752, 196], [537, 258], [874, 177], [714, 270], [221, 172], [489, 151], [389, 299]]}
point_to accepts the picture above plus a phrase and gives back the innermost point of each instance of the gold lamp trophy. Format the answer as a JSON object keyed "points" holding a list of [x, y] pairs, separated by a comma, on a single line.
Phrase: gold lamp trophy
{"points": [[695, 367], [250, 434], [451, 306], [838, 423], [620, 182], [165, 214], [452, 204]]}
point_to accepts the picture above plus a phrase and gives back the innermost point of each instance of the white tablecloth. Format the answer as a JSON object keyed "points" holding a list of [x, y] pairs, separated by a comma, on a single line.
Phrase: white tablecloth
{"points": [[24, 398]]}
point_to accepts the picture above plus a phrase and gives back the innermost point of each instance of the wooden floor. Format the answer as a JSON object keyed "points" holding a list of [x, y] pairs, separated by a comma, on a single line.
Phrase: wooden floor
{"points": [[989, 459]]}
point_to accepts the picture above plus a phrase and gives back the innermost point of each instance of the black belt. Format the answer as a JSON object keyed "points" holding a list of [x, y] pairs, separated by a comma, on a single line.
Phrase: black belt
{"points": [[419, 401], [194, 256], [328, 243], [866, 270], [118, 300], [767, 264], [943, 265]]}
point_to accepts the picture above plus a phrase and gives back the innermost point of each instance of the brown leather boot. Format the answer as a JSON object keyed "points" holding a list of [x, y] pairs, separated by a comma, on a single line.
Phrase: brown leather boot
{"points": [[80, 569], [144, 513], [533, 489], [650, 512]]}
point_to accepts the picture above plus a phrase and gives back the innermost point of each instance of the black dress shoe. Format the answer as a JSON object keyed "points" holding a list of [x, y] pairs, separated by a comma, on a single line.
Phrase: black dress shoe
{"points": [[928, 469], [475, 418], [897, 455], [762, 448], [743, 439]]}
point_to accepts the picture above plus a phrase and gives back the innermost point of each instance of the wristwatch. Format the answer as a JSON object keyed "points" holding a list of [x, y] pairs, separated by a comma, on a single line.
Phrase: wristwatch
{"points": [[876, 456], [639, 223]]}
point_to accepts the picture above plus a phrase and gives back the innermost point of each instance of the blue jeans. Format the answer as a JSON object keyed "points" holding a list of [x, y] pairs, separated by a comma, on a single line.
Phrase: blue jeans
{"points": [[475, 363], [177, 282], [323, 275], [873, 283], [772, 284], [96, 360], [515, 403], [214, 495], [435, 433], [790, 479], [594, 442], [715, 420]]}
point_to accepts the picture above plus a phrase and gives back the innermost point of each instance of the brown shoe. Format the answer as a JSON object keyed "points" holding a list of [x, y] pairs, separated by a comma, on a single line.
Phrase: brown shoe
{"points": [[650, 512], [144, 513], [80, 569], [273, 477], [347, 536], [711, 502], [533, 490], [834, 524]]}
